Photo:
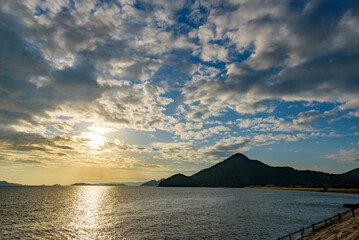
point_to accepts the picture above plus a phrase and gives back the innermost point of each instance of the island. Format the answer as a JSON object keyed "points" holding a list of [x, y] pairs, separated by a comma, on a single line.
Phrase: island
{"points": [[98, 184], [7, 184], [152, 183]]}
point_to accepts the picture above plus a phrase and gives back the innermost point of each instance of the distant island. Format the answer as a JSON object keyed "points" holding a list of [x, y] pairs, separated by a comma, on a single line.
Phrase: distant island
{"points": [[145, 184], [98, 184], [152, 183], [7, 184], [240, 171]]}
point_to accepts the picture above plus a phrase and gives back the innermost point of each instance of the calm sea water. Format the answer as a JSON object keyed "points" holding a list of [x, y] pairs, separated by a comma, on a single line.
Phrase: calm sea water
{"points": [[95, 212]]}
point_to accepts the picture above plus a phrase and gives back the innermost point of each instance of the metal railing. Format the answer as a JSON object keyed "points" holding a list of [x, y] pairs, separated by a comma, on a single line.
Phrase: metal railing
{"points": [[314, 227]]}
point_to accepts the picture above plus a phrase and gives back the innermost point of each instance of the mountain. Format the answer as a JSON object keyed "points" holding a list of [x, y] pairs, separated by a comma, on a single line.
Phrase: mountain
{"points": [[152, 183], [179, 180], [4, 183], [240, 171]]}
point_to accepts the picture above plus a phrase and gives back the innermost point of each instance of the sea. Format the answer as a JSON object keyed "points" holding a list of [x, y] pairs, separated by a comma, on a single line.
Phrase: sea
{"points": [[120, 212]]}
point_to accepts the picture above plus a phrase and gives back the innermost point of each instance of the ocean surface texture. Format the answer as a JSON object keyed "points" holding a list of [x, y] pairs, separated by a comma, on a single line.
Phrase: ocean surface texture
{"points": [[96, 212]]}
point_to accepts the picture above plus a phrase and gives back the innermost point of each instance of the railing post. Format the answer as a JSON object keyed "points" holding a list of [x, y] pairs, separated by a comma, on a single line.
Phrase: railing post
{"points": [[326, 220], [353, 212], [339, 217]]}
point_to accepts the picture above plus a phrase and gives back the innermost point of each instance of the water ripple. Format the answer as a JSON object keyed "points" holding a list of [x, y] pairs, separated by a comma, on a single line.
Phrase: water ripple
{"points": [[95, 212]]}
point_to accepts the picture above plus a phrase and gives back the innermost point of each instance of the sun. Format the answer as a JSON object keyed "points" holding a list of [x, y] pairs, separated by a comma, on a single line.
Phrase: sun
{"points": [[96, 137]]}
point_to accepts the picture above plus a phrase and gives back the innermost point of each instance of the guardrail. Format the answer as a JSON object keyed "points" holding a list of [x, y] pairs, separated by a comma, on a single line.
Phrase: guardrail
{"points": [[314, 227]]}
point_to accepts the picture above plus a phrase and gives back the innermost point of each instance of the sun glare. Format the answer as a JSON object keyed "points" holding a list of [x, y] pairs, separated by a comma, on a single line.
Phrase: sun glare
{"points": [[96, 137]]}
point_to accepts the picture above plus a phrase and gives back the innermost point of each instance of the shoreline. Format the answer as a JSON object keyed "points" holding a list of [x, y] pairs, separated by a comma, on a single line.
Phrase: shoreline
{"points": [[346, 229], [311, 189]]}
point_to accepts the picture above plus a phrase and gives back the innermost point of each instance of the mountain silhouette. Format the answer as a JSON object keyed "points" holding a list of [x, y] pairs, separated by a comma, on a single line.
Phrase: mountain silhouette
{"points": [[240, 171], [179, 180], [5, 183]]}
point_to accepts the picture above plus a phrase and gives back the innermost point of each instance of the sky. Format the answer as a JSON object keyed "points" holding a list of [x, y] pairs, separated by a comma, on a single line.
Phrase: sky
{"points": [[120, 90]]}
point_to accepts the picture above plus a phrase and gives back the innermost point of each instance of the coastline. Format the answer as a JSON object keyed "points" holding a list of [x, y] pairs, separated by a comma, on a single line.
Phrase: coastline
{"points": [[347, 229], [311, 189]]}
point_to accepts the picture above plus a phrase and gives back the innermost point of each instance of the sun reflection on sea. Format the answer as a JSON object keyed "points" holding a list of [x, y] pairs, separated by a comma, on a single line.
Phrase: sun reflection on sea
{"points": [[89, 210]]}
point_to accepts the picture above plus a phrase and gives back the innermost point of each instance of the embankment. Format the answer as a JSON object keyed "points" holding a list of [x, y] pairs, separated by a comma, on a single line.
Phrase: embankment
{"points": [[347, 229]]}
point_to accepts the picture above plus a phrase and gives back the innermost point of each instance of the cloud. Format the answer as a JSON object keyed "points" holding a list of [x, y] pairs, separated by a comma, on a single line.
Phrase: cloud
{"points": [[345, 155], [29, 142], [253, 107], [27, 161], [30, 86], [88, 44], [226, 147], [267, 139], [214, 52], [270, 124], [303, 122], [202, 134], [178, 70], [305, 119], [119, 146], [86, 61], [296, 53]]}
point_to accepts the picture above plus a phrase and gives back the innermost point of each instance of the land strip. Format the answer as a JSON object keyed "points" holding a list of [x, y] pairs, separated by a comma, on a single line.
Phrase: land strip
{"points": [[311, 189]]}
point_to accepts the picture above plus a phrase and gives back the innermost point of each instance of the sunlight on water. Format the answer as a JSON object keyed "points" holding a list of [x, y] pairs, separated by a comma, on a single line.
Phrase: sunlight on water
{"points": [[88, 211]]}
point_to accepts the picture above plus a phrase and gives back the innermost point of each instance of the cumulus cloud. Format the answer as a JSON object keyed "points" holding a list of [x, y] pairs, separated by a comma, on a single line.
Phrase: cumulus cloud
{"points": [[253, 107], [297, 53], [307, 118], [183, 68], [74, 54], [74, 47], [214, 52]]}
